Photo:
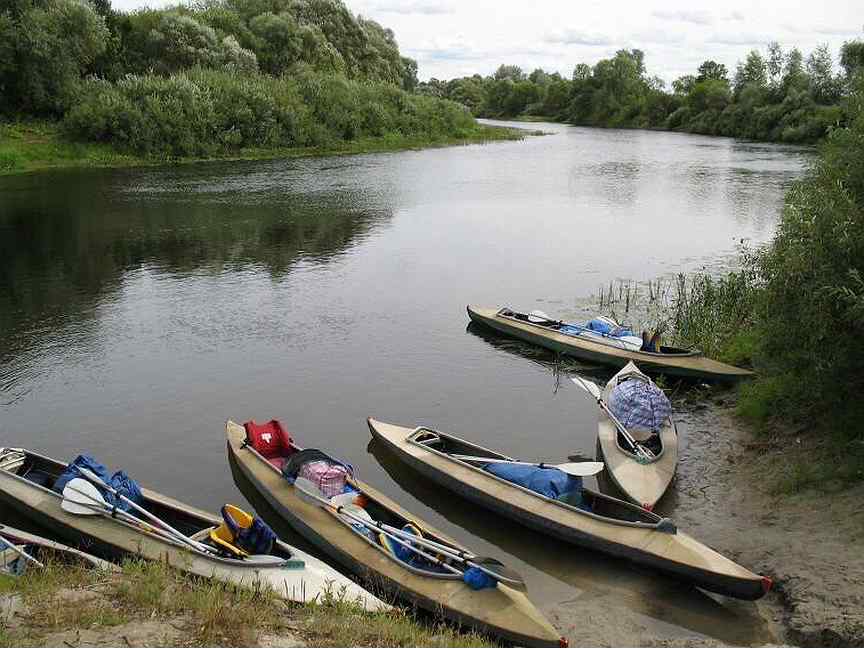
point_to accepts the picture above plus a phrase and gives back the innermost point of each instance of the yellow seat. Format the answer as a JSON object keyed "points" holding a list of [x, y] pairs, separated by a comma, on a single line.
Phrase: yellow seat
{"points": [[222, 535]]}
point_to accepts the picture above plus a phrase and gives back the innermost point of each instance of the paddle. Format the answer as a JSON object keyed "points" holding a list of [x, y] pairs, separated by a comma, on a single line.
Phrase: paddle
{"points": [[80, 497], [182, 538], [20, 552], [594, 390], [630, 342], [577, 469], [489, 566]]}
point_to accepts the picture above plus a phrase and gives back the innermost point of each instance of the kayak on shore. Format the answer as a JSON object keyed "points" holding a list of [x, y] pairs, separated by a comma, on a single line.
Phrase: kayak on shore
{"points": [[26, 481], [640, 453], [360, 527], [21, 550], [579, 342], [590, 519]]}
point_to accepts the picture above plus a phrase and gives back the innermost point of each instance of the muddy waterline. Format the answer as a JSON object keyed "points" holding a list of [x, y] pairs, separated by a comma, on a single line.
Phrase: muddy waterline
{"points": [[141, 308]]}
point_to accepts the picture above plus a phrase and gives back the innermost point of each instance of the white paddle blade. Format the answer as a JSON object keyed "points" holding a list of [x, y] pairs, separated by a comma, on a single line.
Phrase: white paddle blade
{"points": [[587, 385], [83, 492], [581, 468], [78, 509], [537, 316]]}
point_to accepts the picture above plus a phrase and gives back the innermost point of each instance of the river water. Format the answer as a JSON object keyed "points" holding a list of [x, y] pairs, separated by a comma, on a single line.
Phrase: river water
{"points": [[140, 308]]}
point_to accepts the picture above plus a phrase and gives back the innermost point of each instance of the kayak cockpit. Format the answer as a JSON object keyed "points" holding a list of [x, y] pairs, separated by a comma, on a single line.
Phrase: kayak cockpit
{"points": [[44, 472], [590, 503], [582, 331]]}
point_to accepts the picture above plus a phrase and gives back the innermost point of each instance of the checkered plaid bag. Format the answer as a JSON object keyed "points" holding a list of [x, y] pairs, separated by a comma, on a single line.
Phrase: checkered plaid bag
{"points": [[640, 404], [328, 477]]}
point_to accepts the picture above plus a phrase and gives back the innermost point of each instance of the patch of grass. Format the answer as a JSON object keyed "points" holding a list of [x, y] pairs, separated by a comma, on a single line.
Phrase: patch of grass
{"points": [[211, 612], [335, 626], [38, 145]]}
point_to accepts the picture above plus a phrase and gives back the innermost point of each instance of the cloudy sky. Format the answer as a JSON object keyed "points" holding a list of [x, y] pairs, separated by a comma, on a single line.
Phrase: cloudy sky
{"points": [[455, 38]]}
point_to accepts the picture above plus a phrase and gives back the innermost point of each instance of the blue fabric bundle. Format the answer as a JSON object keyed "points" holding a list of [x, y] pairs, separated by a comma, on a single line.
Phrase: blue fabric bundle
{"points": [[550, 482], [477, 579], [120, 481]]}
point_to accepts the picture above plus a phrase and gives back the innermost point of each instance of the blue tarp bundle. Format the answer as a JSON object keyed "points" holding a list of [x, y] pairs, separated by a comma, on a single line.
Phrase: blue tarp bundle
{"points": [[597, 325], [120, 481], [550, 482]]}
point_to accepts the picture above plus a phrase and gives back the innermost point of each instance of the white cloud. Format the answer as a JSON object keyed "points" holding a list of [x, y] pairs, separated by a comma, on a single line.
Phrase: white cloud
{"points": [[695, 17], [839, 31], [576, 37], [740, 38], [423, 7], [657, 36]]}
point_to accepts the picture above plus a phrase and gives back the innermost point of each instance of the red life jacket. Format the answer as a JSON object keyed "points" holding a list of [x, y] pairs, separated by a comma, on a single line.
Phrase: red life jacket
{"points": [[270, 439]]}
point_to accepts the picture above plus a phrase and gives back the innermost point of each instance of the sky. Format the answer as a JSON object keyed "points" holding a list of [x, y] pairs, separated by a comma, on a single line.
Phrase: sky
{"points": [[451, 38]]}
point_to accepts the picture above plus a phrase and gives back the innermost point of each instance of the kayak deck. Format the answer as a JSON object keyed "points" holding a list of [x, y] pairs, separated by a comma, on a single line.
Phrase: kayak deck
{"points": [[610, 525], [641, 481], [501, 610], [294, 575], [671, 360]]}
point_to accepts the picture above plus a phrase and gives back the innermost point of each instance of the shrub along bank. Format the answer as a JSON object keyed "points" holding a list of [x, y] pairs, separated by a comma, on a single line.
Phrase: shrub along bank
{"points": [[796, 309], [203, 112], [211, 78]]}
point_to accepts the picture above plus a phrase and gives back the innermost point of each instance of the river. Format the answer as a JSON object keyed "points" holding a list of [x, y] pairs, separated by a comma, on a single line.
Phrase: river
{"points": [[140, 308]]}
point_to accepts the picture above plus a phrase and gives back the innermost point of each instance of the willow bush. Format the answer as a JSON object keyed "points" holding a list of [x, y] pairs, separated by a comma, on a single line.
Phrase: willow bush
{"points": [[203, 112]]}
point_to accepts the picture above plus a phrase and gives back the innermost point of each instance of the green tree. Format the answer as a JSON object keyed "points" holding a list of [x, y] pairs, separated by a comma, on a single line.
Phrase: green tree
{"points": [[46, 46], [409, 74], [683, 85], [509, 72], [852, 58], [711, 70], [581, 72], [824, 84], [751, 72]]}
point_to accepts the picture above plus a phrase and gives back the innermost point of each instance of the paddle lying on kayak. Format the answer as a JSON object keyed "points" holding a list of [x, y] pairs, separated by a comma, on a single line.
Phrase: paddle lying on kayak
{"points": [[265, 457], [642, 477], [26, 484], [594, 391], [586, 518], [598, 349], [576, 469], [23, 548], [410, 541]]}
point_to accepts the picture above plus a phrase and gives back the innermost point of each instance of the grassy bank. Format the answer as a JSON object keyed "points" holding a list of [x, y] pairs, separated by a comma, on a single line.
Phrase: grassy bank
{"points": [[152, 604], [31, 146]]}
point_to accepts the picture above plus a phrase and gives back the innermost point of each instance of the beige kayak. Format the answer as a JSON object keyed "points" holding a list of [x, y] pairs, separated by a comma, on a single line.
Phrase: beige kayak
{"points": [[600, 350], [642, 481], [501, 611], [44, 550], [25, 480], [606, 524]]}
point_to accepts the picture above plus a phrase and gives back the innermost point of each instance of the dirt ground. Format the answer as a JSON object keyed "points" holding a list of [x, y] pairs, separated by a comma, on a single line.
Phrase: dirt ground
{"points": [[810, 543]]}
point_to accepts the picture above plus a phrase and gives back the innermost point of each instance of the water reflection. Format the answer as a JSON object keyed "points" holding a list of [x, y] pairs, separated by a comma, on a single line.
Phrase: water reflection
{"points": [[67, 249]]}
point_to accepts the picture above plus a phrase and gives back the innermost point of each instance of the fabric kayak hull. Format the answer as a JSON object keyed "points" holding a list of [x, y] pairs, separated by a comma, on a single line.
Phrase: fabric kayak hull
{"points": [[641, 483], [645, 539], [684, 364], [307, 583], [67, 554], [500, 611]]}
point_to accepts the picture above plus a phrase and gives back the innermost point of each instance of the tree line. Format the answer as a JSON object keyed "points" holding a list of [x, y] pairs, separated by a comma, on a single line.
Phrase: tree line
{"points": [[214, 75], [776, 95]]}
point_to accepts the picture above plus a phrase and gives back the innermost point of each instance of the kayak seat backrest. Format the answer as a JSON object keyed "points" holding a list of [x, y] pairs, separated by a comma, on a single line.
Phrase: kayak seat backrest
{"points": [[271, 440]]}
